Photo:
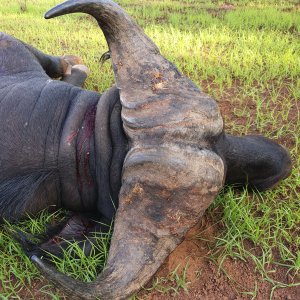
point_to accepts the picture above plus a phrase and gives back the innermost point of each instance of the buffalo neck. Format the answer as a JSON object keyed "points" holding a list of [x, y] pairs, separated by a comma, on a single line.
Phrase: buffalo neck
{"points": [[92, 150], [110, 150], [78, 190]]}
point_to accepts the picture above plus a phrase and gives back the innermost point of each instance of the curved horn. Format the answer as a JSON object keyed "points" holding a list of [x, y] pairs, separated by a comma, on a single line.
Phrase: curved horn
{"points": [[170, 175]]}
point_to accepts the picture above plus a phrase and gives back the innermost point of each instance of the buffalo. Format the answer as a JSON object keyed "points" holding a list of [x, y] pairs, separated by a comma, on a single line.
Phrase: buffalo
{"points": [[150, 153]]}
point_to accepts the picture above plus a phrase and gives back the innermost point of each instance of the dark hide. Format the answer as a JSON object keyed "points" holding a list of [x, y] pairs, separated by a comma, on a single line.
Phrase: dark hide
{"points": [[47, 140], [253, 161], [63, 146]]}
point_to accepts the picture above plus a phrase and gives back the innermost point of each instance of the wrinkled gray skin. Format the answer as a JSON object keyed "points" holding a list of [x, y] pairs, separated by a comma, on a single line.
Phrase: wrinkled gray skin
{"points": [[50, 152], [153, 146]]}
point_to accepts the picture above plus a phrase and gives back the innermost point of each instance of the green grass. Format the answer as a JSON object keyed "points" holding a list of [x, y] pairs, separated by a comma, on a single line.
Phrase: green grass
{"points": [[17, 273], [172, 283], [75, 263], [247, 57]]}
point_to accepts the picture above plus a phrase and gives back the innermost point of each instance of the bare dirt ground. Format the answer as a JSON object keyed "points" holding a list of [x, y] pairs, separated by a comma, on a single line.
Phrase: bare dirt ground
{"points": [[236, 279]]}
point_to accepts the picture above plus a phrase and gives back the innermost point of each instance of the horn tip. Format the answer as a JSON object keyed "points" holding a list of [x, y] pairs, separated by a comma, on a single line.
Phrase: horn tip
{"points": [[49, 14], [35, 259]]}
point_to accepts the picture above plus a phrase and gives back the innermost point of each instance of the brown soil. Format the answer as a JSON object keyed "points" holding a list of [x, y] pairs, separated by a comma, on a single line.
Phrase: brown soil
{"points": [[233, 101], [236, 279], [220, 10]]}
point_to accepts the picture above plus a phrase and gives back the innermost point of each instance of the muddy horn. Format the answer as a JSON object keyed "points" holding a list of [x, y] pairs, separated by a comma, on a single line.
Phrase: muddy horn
{"points": [[170, 174]]}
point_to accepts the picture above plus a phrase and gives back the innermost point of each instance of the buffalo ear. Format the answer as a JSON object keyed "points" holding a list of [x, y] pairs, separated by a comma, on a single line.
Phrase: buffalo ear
{"points": [[79, 228]]}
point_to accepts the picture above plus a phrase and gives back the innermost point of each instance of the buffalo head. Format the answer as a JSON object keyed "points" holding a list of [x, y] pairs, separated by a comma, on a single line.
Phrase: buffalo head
{"points": [[178, 159]]}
